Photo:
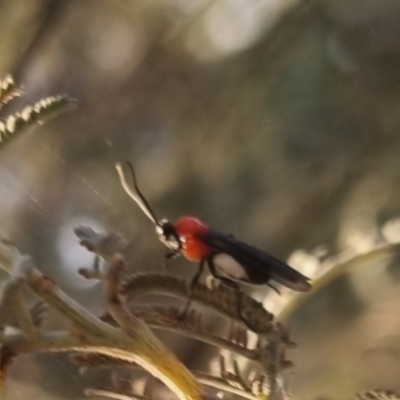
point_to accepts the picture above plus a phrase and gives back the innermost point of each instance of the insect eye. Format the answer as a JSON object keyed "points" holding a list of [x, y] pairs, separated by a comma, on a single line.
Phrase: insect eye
{"points": [[163, 229], [166, 233]]}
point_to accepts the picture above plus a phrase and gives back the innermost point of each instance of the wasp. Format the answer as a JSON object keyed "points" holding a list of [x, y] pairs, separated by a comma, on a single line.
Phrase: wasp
{"points": [[228, 259]]}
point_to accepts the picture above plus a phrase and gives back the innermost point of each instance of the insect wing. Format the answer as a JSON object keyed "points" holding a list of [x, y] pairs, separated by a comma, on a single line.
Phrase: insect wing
{"points": [[260, 266]]}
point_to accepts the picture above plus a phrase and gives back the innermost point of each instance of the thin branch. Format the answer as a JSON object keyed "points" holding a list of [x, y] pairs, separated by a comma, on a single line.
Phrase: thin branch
{"points": [[331, 269], [50, 18]]}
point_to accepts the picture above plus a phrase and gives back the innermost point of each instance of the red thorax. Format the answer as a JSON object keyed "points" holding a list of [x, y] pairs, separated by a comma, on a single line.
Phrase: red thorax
{"points": [[188, 229]]}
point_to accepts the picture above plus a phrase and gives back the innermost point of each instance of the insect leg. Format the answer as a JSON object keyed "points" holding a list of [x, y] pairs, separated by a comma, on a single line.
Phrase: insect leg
{"points": [[273, 288], [234, 286], [223, 279], [169, 255], [193, 283]]}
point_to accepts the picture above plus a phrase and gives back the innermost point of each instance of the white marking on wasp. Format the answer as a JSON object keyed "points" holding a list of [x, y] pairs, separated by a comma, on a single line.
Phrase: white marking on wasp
{"points": [[230, 267]]}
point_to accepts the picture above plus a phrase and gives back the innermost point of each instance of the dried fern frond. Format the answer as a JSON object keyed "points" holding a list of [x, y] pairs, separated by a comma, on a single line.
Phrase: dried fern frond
{"points": [[38, 312], [6, 359], [8, 90], [110, 394], [223, 300], [36, 114], [377, 394], [96, 360], [167, 318]]}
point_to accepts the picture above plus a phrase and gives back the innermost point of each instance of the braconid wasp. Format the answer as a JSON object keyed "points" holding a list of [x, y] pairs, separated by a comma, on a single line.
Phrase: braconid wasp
{"points": [[228, 259]]}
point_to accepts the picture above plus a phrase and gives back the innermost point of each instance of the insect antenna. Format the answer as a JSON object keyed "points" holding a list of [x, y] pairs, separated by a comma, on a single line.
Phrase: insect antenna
{"points": [[135, 192]]}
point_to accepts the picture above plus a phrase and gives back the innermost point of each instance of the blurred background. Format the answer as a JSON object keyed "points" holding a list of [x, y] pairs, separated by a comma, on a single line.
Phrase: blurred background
{"points": [[275, 120]]}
